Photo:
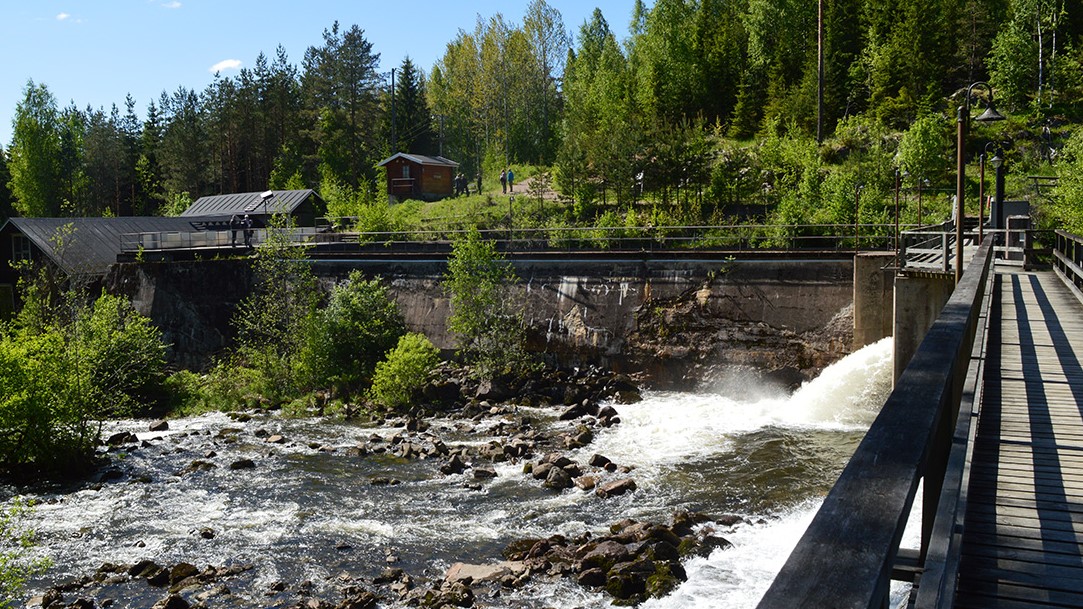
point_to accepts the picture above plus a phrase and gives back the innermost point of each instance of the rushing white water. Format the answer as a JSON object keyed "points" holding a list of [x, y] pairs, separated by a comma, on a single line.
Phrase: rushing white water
{"points": [[668, 428], [745, 448]]}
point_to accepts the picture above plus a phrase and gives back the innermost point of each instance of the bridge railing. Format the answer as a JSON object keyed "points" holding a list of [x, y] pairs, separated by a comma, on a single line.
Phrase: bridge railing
{"points": [[1068, 261], [847, 556]]}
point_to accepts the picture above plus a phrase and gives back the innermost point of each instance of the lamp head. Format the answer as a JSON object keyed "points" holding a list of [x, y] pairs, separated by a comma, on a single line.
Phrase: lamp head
{"points": [[990, 114], [996, 161], [267, 195]]}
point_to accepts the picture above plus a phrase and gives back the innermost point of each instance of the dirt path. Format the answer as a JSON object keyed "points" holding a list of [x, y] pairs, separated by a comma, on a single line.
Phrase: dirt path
{"points": [[525, 187]]}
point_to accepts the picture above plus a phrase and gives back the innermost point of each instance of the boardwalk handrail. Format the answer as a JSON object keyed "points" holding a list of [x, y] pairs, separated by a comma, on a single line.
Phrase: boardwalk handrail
{"points": [[846, 557], [943, 550], [1068, 261]]}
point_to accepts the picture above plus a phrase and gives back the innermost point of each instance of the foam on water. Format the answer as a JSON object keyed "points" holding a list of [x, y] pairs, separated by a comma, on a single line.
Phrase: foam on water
{"points": [[671, 427]]}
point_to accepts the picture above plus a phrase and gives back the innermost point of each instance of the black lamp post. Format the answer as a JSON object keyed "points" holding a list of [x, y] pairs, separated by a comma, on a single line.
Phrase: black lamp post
{"points": [[962, 123], [998, 193], [898, 182]]}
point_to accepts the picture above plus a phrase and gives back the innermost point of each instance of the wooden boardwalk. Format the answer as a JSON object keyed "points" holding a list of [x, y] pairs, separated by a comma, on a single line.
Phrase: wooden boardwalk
{"points": [[1023, 537]]}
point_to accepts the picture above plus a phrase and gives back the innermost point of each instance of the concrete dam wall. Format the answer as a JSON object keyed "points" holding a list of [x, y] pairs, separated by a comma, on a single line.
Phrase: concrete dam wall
{"points": [[668, 321]]}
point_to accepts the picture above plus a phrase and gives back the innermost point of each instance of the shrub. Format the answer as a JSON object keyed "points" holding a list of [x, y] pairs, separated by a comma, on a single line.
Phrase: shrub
{"points": [[58, 379], [401, 376], [15, 541], [488, 323], [345, 339]]}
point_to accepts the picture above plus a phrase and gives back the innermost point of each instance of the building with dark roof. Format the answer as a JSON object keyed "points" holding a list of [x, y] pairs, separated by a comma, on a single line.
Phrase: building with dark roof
{"points": [[87, 247], [303, 205], [413, 176], [78, 247]]}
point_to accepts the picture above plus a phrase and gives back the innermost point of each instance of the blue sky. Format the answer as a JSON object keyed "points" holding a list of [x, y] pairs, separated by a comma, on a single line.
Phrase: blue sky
{"points": [[95, 52]]}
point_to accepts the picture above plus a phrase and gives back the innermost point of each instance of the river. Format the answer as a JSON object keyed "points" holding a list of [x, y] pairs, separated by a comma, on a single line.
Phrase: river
{"points": [[308, 510]]}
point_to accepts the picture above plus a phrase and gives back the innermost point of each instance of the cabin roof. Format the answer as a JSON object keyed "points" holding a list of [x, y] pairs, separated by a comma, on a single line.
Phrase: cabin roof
{"points": [[94, 243], [420, 160], [240, 203]]}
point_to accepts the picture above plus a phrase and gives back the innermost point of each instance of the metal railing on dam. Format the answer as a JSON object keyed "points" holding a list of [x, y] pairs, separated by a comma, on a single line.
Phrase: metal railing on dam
{"points": [[850, 553], [738, 237]]}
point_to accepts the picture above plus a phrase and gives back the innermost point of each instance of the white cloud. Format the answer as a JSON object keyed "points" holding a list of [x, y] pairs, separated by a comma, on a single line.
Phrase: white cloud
{"points": [[63, 17], [173, 4], [226, 64]]}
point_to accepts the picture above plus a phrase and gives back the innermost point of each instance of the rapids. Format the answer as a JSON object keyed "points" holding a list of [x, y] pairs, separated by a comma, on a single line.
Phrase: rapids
{"points": [[309, 513]]}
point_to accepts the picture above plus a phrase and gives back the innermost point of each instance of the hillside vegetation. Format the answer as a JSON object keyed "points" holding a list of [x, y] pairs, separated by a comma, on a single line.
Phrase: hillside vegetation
{"points": [[706, 113]]}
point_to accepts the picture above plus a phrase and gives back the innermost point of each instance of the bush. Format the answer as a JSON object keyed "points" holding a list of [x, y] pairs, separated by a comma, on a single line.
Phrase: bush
{"points": [[58, 379], [401, 376], [488, 323], [15, 542], [345, 339]]}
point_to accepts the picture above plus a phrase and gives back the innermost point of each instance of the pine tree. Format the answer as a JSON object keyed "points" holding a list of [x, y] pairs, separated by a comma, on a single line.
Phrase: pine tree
{"points": [[413, 119]]}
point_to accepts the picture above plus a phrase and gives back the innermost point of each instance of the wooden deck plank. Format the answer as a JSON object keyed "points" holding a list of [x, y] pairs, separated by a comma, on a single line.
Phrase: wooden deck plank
{"points": [[1023, 534]]}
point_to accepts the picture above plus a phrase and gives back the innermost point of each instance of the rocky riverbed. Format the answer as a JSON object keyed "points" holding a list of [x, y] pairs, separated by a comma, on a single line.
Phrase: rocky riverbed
{"points": [[576, 490]]}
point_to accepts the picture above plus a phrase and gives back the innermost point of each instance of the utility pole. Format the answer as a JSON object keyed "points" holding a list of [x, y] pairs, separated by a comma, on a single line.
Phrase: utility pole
{"points": [[394, 124], [820, 73]]}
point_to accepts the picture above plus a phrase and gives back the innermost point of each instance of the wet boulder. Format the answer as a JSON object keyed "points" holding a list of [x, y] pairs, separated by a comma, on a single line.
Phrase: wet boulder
{"points": [[242, 464], [558, 479], [467, 574], [586, 483], [358, 599], [121, 438], [615, 488], [597, 460], [173, 601], [484, 473], [158, 426], [541, 470], [454, 465], [591, 578], [519, 549], [604, 556], [573, 412], [196, 466]]}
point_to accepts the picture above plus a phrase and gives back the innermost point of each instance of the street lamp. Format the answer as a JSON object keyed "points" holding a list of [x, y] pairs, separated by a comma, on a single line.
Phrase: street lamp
{"points": [[962, 123], [998, 193]]}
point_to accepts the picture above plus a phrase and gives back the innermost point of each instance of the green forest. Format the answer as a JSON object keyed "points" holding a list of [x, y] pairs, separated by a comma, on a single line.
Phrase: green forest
{"points": [[709, 111]]}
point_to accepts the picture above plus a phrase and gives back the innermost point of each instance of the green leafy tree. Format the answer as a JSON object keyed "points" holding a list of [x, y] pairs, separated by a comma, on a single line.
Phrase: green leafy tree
{"points": [[923, 148], [35, 152], [7, 201], [489, 325], [549, 44], [1068, 196], [64, 367], [1012, 72], [272, 321], [346, 338], [402, 375], [341, 88]]}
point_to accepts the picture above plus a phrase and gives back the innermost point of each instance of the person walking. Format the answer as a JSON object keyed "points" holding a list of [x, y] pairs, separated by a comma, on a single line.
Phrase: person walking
{"points": [[503, 182], [247, 224], [479, 183], [234, 224], [511, 180]]}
